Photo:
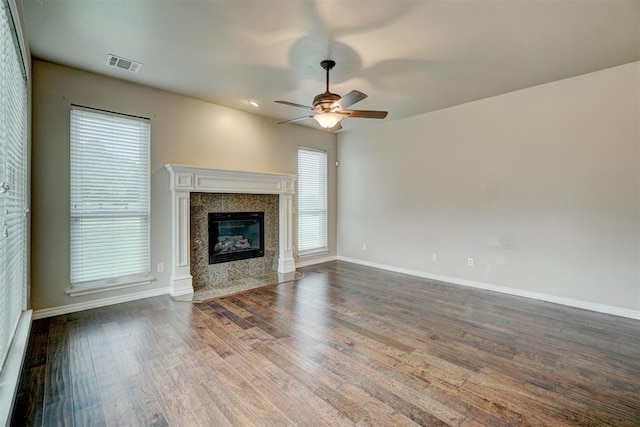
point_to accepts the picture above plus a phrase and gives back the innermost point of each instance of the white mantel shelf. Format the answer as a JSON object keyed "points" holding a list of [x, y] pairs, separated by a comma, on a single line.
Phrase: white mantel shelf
{"points": [[187, 179]]}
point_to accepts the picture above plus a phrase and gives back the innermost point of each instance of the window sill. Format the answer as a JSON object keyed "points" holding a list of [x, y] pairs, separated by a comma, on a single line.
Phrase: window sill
{"points": [[106, 286], [313, 252]]}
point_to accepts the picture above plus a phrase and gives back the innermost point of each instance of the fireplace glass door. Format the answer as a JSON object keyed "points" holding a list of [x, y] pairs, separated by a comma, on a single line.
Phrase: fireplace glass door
{"points": [[235, 235]]}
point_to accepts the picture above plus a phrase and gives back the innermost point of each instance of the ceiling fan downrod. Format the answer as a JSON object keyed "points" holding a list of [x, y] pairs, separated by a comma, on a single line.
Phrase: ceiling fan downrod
{"points": [[327, 64]]}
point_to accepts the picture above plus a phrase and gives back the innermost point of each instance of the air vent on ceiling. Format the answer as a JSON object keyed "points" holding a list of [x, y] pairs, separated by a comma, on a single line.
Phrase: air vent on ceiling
{"points": [[122, 63]]}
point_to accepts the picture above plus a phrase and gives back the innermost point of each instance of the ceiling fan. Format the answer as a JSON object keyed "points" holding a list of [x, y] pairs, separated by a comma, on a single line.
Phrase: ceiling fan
{"points": [[329, 108]]}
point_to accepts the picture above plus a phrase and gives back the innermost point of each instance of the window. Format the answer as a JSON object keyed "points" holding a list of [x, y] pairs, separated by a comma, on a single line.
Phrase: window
{"points": [[109, 199], [13, 186], [312, 201]]}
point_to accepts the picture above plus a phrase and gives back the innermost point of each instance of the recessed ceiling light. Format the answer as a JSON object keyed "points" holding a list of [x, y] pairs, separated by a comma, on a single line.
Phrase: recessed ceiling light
{"points": [[255, 103]]}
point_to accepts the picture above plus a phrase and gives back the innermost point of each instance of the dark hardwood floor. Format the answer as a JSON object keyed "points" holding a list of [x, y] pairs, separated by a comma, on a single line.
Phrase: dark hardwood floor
{"points": [[346, 345]]}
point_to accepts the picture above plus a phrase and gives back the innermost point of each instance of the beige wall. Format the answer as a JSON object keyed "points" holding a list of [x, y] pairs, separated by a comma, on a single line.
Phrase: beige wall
{"points": [[183, 130], [539, 186]]}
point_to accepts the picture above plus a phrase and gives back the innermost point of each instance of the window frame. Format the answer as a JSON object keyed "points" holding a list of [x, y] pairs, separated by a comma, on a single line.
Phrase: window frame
{"points": [[323, 247], [114, 281], [15, 318]]}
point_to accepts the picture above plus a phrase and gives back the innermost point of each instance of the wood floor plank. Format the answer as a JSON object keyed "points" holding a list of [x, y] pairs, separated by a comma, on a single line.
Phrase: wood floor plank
{"points": [[144, 402], [346, 345], [250, 365], [30, 396], [116, 408], [58, 399], [321, 409], [225, 400], [28, 409], [175, 409], [384, 388], [191, 390], [87, 409], [322, 382]]}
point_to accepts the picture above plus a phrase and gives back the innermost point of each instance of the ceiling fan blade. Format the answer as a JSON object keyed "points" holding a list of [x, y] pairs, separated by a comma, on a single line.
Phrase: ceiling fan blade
{"points": [[364, 114], [293, 104], [349, 99], [295, 120]]}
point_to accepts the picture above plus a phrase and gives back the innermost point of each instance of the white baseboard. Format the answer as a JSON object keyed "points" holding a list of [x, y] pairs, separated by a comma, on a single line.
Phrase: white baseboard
{"points": [[72, 308], [601, 308], [313, 261], [10, 377]]}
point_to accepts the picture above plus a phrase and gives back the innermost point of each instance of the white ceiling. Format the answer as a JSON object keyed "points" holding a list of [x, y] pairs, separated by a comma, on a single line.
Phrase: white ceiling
{"points": [[410, 57]]}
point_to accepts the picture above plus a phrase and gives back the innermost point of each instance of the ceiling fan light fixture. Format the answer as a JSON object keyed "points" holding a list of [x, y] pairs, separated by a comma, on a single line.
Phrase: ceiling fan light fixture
{"points": [[328, 120]]}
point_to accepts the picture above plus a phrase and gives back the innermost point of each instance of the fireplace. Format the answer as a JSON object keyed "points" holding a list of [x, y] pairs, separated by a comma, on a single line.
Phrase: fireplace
{"points": [[184, 180], [235, 235]]}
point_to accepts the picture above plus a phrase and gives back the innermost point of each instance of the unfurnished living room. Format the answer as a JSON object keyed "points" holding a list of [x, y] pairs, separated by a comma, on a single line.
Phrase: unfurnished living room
{"points": [[320, 213]]}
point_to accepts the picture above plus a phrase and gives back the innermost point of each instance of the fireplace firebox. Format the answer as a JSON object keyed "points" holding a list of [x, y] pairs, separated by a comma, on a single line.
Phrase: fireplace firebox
{"points": [[235, 235]]}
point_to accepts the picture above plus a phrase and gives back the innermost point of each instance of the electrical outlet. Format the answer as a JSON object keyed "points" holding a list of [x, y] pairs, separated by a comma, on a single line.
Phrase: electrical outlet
{"points": [[434, 257], [364, 246], [160, 267], [470, 262]]}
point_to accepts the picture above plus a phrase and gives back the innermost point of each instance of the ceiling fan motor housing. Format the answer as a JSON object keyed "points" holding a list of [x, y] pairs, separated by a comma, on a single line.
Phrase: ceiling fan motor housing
{"points": [[323, 102]]}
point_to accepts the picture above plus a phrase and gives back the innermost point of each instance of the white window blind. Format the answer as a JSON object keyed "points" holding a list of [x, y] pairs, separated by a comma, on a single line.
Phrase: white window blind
{"points": [[13, 183], [312, 201], [109, 198]]}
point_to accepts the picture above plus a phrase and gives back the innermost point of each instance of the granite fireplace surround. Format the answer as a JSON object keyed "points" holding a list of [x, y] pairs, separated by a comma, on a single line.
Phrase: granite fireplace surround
{"points": [[216, 275], [196, 191]]}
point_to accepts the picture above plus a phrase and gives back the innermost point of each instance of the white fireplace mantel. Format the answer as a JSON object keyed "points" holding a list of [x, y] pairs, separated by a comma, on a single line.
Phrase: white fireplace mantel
{"points": [[187, 179]]}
